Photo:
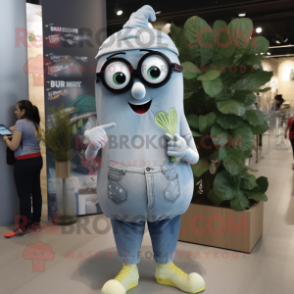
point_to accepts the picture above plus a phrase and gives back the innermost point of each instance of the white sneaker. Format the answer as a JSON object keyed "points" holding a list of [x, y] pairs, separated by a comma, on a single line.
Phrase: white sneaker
{"points": [[170, 275], [127, 279]]}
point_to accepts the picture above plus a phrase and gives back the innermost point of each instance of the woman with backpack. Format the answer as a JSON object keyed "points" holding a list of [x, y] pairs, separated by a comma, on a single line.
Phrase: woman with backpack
{"points": [[26, 146], [290, 127]]}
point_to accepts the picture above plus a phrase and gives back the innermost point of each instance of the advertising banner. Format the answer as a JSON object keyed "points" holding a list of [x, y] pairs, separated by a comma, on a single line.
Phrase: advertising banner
{"points": [[73, 30]]}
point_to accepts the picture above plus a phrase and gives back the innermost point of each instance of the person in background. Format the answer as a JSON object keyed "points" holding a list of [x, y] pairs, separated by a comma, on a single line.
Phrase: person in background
{"points": [[258, 107], [290, 127], [26, 146], [278, 103], [253, 107], [258, 102]]}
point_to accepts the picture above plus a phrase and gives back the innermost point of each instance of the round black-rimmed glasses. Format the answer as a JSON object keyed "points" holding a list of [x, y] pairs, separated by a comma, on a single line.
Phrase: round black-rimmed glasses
{"points": [[154, 70]]}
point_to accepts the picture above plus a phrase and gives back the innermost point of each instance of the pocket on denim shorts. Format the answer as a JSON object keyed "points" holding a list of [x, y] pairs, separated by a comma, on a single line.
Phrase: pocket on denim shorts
{"points": [[172, 192], [116, 192]]}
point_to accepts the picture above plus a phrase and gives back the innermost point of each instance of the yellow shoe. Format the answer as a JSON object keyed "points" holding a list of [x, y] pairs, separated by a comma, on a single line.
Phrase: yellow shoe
{"points": [[127, 279], [170, 275]]}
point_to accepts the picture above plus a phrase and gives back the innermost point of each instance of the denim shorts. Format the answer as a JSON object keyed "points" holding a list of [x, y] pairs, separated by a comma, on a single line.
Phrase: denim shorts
{"points": [[147, 193]]}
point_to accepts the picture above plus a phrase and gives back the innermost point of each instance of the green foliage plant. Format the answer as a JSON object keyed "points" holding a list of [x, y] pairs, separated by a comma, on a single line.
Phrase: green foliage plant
{"points": [[222, 71], [58, 136]]}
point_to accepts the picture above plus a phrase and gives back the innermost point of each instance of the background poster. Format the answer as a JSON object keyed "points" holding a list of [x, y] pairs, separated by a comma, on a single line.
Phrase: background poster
{"points": [[73, 30]]}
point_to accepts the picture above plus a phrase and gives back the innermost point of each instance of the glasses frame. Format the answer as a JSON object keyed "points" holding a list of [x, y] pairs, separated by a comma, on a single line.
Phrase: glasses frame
{"points": [[137, 72]]}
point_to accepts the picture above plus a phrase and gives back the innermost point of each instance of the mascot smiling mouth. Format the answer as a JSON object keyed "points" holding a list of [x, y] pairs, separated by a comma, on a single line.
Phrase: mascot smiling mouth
{"points": [[141, 107]]}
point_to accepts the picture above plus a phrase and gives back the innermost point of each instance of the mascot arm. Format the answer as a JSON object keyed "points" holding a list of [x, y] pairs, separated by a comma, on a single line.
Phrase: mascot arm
{"points": [[191, 156], [97, 139]]}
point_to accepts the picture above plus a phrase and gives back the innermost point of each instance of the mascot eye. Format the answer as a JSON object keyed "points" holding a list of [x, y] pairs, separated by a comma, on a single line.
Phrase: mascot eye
{"points": [[117, 75], [154, 69], [119, 78], [153, 72]]}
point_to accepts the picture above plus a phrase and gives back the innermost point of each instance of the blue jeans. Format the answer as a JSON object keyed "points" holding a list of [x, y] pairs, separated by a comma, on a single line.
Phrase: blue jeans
{"points": [[164, 236]]}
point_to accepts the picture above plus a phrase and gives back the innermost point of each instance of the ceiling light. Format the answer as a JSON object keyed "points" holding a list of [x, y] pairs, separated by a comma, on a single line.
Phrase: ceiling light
{"points": [[278, 42], [118, 10], [157, 12], [242, 13], [166, 28], [258, 30], [268, 53], [261, 53], [286, 40]]}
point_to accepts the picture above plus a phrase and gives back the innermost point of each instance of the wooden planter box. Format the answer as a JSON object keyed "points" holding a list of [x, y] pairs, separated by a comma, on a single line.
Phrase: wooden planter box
{"points": [[222, 227]]}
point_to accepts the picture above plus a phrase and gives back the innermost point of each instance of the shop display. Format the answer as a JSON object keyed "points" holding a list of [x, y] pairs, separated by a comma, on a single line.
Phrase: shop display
{"points": [[141, 127], [69, 73]]}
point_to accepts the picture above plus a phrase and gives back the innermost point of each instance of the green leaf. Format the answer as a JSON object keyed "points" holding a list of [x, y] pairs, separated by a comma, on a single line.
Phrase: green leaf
{"points": [[209, 76], [240, 202], [219, 63], [248, 181], [194, 28], [214, 155], [192, 85], [213, 88], [253, 81], [232, 160], [262, 183], [241, 138], [223, 39], [206, 48], [248, 168], [219, 135], [80, 123], [260, 129], [200, 168], [231, 106], [225, 187], [196, 134], [167, 122], [264, 90], [255, 117], [181, 42], [193, 121], [190, 70], [250, 59], [187, 95], [206, 122], [229, 121], [214, 198], [242, 29], [258, 45], [195, 53], [256, 196], [247, 153], [74, 129], [246, 97]]}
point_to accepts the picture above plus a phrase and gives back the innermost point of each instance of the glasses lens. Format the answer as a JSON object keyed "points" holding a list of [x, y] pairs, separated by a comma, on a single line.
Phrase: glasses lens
{"points": [[154, 69], [117, 75]]}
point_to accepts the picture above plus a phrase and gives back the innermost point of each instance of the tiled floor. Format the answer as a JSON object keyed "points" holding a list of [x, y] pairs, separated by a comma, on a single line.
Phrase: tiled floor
{"points": [[76, 269]]}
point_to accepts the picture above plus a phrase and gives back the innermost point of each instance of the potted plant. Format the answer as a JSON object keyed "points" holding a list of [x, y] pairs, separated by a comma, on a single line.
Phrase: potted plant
{"points": [[57, 138], [222, 71]]}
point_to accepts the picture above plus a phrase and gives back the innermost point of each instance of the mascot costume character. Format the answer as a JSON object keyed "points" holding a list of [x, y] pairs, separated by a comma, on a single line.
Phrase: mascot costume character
{"points": [[146, 174]]}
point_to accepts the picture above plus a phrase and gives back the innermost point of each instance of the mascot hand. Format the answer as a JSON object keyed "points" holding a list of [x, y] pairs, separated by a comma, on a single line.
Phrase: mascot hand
{"points": [[97, 139], [176, 145]]}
